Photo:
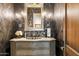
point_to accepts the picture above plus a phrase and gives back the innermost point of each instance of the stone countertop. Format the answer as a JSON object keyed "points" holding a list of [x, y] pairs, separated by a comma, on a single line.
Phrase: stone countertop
{"points": [[25, 39]]}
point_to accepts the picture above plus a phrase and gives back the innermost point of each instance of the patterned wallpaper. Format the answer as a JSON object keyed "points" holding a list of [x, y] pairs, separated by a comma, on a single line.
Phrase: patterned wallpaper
{"points": [[35, 33], [8, 25]]}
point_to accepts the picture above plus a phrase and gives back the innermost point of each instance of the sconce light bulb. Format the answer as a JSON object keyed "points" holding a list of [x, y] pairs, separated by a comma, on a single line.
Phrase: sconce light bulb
{"points": [[44, 13], [23, 13], [18, 15], [50, 15]]}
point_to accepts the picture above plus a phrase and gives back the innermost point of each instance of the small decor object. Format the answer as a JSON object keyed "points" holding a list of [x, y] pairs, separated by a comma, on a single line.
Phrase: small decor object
{"points": [[48, 32], [19, 34]]}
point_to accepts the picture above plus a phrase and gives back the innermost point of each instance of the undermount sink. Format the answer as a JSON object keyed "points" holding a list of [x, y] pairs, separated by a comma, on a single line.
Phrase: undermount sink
{"points": [[33, 38]]}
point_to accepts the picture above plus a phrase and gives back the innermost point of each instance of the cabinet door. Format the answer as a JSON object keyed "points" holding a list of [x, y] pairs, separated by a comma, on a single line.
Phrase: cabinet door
{"points": [[41, 48], [41, 52], [24, 48], [41, 44]]}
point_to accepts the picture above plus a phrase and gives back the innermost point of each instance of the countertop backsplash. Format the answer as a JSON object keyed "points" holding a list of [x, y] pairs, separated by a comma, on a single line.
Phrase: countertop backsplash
{"points": [[35, 33]]}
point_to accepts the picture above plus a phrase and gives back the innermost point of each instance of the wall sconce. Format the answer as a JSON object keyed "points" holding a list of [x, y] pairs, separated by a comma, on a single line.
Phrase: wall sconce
{"points": [[50, 15], [23, 13], [44, 14], [47, 14], [18, 15]]}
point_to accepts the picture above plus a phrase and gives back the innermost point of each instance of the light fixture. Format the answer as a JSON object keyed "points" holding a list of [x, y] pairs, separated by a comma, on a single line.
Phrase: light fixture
{"points": [[50, 15], [44, 14], [23, 13], [18, 15], [47, 14]]}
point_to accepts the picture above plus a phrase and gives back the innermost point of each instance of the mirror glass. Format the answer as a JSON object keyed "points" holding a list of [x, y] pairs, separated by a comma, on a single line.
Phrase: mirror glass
{"points": [[37, 20]]}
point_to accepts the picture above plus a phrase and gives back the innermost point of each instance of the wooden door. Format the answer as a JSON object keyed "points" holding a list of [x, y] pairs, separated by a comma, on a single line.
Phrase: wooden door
{"points": [[72, 41]]}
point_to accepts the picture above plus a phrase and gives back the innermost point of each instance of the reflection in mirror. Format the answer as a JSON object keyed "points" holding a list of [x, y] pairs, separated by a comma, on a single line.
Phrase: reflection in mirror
{"points": [[37, 20]]}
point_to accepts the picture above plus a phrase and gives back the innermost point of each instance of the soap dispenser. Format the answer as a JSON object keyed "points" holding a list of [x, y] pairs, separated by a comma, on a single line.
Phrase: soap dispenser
{"points": [[48, 32]]}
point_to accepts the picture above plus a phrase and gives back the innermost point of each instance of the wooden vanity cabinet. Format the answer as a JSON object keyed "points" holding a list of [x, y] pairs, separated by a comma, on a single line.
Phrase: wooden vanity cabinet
{"points": [[32, 48]]}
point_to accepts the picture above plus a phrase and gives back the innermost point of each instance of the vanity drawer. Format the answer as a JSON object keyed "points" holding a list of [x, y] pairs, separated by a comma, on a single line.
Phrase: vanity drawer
{"points": [[32, 45], [23, 52], [41, 45], [21, 45]]}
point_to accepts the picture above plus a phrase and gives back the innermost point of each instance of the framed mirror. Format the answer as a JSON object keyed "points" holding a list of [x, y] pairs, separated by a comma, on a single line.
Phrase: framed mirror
{"points": [[34, 18]]}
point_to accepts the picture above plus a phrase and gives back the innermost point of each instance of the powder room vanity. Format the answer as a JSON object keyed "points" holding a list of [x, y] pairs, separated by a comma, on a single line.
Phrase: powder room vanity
{"points": [[32, 47], [34, 27]]}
